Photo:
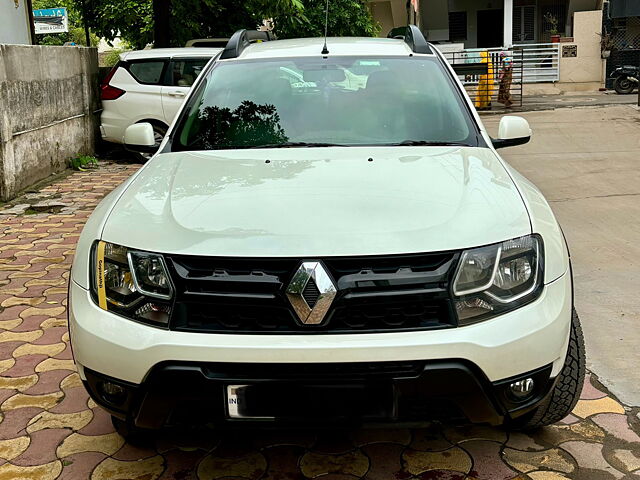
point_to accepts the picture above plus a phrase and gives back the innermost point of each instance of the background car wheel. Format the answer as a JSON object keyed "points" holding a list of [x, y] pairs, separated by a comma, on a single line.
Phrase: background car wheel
{"points": [[566, 392], [159, 131], [623, 85]]}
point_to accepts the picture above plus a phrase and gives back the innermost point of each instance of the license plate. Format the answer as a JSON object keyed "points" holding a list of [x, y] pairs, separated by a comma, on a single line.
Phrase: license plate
{"points": [[237, 402]]}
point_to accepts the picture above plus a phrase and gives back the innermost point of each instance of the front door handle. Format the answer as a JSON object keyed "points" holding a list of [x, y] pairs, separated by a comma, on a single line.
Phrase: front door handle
{"points": [[177, 94]]}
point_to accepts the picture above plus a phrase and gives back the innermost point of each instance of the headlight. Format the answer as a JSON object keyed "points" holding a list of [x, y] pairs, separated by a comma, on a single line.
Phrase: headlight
{"points": [[131, 283], [495, 279]]}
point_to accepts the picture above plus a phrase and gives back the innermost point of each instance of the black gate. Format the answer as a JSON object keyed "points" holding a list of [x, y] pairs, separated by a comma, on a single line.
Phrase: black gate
{"points": [[482, 75]]}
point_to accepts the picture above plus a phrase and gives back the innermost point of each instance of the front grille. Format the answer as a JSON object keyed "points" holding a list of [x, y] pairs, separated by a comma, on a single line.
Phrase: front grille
{"points": [[386, 293]]}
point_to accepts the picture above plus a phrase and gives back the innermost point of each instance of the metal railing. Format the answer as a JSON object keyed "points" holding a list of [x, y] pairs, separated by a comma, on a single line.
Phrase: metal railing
{"points": [[541, 62]]}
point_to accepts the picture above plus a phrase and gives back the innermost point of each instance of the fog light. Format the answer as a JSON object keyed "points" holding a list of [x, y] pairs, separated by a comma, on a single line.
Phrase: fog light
{"points": [[112, 391], [522, 388]]}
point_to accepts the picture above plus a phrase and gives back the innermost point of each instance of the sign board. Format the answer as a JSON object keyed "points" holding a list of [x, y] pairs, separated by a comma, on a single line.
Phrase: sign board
{"points": [[569, 51], [51, 20]]}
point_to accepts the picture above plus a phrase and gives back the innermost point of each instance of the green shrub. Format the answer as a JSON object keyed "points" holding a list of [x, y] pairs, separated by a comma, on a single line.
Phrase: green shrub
{"points": [[83, 162]]}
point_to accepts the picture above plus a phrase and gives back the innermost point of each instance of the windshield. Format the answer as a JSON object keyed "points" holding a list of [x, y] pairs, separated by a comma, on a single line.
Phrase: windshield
{"points": [[321, 102]]}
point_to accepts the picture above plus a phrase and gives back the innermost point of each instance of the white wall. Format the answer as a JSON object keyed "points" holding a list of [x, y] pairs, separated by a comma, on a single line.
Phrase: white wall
{"points": [[587, 67], [14, 22], [434, 15], [387, 12]]}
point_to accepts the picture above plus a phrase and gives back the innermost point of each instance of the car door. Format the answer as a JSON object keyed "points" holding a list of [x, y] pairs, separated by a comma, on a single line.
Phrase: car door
{"points": [[143, 86], [180, 75]]}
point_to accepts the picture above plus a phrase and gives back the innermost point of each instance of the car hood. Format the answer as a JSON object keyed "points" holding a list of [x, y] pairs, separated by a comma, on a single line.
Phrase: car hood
{"points": [[316, 202]]}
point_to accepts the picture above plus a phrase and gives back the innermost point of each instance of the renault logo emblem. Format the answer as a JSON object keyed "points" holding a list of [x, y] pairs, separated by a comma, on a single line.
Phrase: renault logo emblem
{"points": [[311, 293]]}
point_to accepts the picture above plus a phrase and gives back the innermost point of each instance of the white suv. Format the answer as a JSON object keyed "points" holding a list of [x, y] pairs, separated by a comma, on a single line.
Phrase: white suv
{"points": [[149, 86], [327, 251]]}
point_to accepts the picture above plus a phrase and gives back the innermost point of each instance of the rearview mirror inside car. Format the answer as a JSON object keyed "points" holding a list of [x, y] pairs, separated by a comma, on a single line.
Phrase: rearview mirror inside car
{"points": [[139, 138], [512, 131]]}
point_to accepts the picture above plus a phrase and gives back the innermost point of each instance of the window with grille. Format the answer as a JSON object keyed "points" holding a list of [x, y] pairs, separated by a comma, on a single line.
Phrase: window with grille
{"points": [[457, 26], [524, 23]]}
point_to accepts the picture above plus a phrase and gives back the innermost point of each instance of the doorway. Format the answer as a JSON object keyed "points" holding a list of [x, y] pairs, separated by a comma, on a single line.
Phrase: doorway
{"points": [[490, 28]]}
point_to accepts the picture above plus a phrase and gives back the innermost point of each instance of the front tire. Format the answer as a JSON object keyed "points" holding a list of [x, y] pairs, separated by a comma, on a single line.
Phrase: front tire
{"points": [[623, 85], [566, 392]]}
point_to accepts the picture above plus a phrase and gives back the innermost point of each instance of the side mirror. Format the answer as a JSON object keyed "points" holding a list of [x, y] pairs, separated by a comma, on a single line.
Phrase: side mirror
{"points": [[139, 138], [511, 132]]}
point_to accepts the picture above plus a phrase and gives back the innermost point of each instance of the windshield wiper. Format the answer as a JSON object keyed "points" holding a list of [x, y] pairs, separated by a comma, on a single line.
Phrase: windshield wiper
{"points": [[428, 143], [292, 145]]}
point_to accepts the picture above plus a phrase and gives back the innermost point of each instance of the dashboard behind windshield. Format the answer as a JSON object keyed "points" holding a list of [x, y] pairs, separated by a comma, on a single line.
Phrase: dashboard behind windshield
{"points": [[341, 101]]}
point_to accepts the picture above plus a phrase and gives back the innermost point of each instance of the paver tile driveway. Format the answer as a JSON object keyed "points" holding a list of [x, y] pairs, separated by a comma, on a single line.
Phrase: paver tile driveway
{"points": [[50, 428]]}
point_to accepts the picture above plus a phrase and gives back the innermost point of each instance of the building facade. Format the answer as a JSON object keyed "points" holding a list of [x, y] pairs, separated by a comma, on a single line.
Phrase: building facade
{"points": [[485, 23]]}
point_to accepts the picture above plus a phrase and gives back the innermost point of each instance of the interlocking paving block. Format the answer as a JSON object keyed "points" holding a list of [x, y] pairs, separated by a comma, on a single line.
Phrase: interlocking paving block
{"points": [[111, 469], [429, 439], [524, 441], [182, 465], [283, 462], [21, 400], [617, 425], [18, 383], [29, 349], [589, 456], [585, 408], [76, 443], [486, 460], [368, 436], [11, 448], [626, 460], [584, 430], [416, 462], [55, 364], [71, 381], [333, 442], [251, 466], [385, 461], [475, 432], [589, 391], [48, 471], [547, 476], [552, 459], [276, 437], [42, 448], [74, 421], [351, 463]]}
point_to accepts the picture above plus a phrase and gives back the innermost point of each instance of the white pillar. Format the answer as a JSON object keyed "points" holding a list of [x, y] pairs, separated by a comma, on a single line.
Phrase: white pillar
{"points": [[508, 24]]}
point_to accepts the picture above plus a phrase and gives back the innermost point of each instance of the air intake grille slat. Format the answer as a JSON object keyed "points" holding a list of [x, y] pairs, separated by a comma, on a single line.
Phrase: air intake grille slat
{"points": [[375, 294]]}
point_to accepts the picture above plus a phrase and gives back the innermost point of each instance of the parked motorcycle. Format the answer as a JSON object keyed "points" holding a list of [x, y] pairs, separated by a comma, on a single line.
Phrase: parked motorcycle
{"points": [[627, 78]]}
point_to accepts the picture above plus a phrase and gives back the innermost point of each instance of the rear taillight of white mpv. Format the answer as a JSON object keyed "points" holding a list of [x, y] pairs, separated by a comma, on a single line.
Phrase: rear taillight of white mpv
{"points": [[109, 92]]}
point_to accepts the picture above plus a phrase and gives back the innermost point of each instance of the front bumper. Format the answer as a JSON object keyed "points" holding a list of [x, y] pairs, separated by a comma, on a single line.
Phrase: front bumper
{"points": [[322, 395], [461, 372]]}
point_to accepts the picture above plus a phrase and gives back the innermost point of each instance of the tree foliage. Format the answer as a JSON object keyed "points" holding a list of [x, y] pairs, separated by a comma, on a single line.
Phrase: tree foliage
{"points": [[133, 19], [347, 18]]}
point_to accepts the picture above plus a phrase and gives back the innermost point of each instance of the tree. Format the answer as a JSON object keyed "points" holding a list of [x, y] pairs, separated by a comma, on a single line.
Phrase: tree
{"points": [[182, 20], [348, 18]]}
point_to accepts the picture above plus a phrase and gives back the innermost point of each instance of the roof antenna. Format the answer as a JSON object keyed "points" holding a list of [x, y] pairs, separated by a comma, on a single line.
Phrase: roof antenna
{"points": [[325, 50]]}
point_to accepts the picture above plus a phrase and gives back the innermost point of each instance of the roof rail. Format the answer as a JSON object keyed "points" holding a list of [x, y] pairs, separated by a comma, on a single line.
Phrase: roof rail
{"points": [[412, 37], [241, 40]]}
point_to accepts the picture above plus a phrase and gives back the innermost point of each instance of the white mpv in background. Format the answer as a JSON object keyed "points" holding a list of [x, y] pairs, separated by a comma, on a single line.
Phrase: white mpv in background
{"points": [[305, 248], [149, 86]]}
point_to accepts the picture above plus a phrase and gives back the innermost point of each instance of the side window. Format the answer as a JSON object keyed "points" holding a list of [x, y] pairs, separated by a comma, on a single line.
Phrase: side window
{"points": [[183, 72], [147, 72]]}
